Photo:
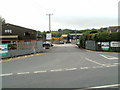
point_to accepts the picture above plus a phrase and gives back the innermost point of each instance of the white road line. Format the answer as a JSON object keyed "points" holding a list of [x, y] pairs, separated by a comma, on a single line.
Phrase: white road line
{"points": [[84, 67], [108, 57], [56, 70], [24, 73], [106, 86], [112, 65], [70, 69], [40, 71], [6, 74], [116, 63], [94, 62]]}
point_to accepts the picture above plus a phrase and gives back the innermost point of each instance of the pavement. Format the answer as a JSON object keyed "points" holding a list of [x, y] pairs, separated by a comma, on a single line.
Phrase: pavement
{"points": [[62, 66]]}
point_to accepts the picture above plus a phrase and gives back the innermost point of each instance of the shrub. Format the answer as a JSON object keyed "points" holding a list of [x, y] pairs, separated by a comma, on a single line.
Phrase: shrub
{"points": [[103, 36], [115, 36], [99, 36]]}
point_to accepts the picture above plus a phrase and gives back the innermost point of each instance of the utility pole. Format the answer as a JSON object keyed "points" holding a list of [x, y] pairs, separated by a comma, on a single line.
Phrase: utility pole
{"points": [[49, 21], [49, 36], [75, 36]]}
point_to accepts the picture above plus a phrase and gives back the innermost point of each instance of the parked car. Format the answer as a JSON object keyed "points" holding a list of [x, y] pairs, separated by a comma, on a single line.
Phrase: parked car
{"points": [[68, 42], [78, 42], [61, 42], [47, 45]]}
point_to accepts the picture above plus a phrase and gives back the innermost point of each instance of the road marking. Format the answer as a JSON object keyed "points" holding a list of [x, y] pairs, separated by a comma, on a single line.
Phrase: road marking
{"points": [[108, 57], [116, 63], [24, 73], [94, 62], [40, 71], [6, 74], [106, 86], [70, 69], [19, 58], [56, 70], [112, 65], [84, 67]]}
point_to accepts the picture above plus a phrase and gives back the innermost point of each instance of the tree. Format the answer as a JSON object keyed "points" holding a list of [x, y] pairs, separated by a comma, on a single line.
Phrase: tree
{"points": [[59, 30], [2, 20]]}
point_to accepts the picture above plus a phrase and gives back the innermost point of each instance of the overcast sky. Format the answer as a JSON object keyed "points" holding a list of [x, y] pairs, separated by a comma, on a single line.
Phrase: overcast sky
{"points": [[67, 14]]}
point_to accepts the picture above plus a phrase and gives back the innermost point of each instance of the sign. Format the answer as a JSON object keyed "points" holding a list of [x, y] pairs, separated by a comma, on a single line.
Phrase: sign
{"points": [[98, 42], [114, 44], [3, 49], [48, 36], [105, 45]]}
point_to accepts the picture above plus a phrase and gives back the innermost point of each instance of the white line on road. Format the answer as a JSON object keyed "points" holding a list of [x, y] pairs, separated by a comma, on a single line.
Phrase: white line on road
{"points": [[6, 74], [108, 57], [106, 86], [70, 69], [112, 65], [56, 70], [116, 63], [67, 69], [94, 62], [40, 71], [24, 73], [84, 67]]}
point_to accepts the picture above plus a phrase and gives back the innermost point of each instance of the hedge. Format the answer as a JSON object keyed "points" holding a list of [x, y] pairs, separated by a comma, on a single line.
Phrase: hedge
{"points": [[99, 36]]}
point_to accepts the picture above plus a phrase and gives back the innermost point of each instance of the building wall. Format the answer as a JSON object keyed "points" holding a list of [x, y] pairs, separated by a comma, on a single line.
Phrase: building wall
{"points": [[23, 33], [114, 29]]}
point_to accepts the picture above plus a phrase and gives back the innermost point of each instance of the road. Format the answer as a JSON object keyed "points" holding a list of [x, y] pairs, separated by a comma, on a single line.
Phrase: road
{"points": [[63, 66]]}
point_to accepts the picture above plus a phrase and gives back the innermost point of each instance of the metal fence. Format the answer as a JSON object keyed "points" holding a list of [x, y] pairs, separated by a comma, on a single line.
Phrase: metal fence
{"points": [[90, 44], [23, 48], [103, 46]]}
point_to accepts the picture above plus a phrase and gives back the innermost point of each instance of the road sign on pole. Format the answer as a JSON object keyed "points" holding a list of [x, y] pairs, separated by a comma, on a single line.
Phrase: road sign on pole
{"points": [[48, 36]]}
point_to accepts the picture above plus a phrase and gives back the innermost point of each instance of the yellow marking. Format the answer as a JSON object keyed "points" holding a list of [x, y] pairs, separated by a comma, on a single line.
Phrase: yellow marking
{"points": [[21, 57]]}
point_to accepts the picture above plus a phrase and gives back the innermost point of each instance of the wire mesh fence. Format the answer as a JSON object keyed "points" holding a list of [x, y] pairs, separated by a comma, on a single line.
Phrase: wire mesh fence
{"points": [[21, 48]]}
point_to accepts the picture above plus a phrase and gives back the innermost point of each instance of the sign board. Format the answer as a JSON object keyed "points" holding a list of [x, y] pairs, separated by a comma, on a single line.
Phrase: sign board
{"points": [[105, 45], [48, 36], [98, 42], [114, 44], [3, 49]]}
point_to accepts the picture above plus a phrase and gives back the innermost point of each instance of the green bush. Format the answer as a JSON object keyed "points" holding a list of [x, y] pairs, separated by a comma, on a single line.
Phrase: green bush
{"points": [[115, 36], [102, 36], [99, 36]]}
